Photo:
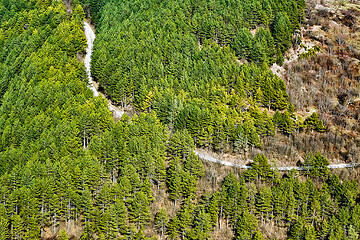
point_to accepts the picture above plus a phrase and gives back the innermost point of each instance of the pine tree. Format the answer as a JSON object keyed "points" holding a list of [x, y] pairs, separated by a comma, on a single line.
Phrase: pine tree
{"points": [[241, 141], [263, 202], [194, 166], [310, 233], [258, 236], [189, 184], [242, 43], [173, 228], [263, 36], [258, 53], [63, 235], [284, 122], [314, 123], [318, 165], [185, 218], [117, 218], [4, 224], [282, 31], [160, 172], [139, 210], [161, 220], [246, 226], [202, 225], [181, 144], [325, 229], [352, 234], [213, 208], [175, 173]]}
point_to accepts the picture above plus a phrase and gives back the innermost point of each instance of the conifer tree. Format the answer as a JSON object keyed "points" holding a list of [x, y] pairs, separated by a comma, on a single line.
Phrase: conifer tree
{"points": [[352, 234], [181, 144], [202, 225], [282, 31], [175, 177], [263, 203], [139, 210], [246, 226], [189, 184], [63, 235], [194, 166], [4, 224], [242, 43], [185, 218], [161, 220], [173, 227], [314, 123]]}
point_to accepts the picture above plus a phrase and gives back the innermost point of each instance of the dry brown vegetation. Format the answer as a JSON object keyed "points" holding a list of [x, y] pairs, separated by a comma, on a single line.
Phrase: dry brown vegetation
{"points": [[328, 83]]}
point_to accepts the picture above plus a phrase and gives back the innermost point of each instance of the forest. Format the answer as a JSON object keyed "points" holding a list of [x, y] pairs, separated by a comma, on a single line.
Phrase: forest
{"points": [[196, 75], [185, 61]]}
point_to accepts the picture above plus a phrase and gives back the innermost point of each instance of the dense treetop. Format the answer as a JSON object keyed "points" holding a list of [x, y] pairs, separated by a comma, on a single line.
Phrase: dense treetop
{"points": [[183, 60], [65, 163]]}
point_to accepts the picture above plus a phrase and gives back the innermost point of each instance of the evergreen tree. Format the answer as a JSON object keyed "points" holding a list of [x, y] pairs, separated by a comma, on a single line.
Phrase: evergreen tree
{"points": [[63, 235], [139, 210], [242, 43], [194, 166], [318, 165], [4, 224], [175, 176], [181, 144], [284, 122], [246, 226], [161, 220], [314, 123], [352, 234], [282, 31]]}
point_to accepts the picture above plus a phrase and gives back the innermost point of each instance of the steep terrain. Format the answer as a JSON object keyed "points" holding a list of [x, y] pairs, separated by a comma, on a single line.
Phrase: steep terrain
{"points": [[322, 76], [195, 75]]}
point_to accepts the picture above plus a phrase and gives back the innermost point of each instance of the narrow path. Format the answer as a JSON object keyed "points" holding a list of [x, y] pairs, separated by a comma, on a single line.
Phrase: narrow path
{"points": [[90, 37], [215, 160]]}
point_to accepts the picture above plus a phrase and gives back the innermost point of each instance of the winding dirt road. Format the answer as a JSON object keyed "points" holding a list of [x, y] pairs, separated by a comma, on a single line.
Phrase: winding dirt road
{"points": [[90, 37], [226, 163]]}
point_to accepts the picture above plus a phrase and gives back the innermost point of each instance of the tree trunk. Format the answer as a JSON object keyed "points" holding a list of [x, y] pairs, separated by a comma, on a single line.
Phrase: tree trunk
{"points": [[220, 217], [84, 140]]}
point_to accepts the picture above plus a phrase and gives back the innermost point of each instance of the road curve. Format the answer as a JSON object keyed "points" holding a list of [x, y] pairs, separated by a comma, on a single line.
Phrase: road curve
{"points": [[215, 160], [90, 37]]}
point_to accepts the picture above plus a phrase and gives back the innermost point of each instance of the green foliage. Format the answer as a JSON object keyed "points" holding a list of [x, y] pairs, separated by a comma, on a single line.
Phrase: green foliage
{"points": [[63, 161], [284, 122], [179, 59], [194, 166], [309, 53], [4, 224], [352, 234], [260, 169], [139, 210], [243, 43], [62, 158], [318, 165], [246, 226], [63, 235], [282, 31], [181, 144], [314, 123], [175, 179], [241, 141], [161, 220]]}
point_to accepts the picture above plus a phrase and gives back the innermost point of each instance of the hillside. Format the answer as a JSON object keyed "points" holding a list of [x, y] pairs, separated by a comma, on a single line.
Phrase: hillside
{"points": [[181, 62], [188, 75]]}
